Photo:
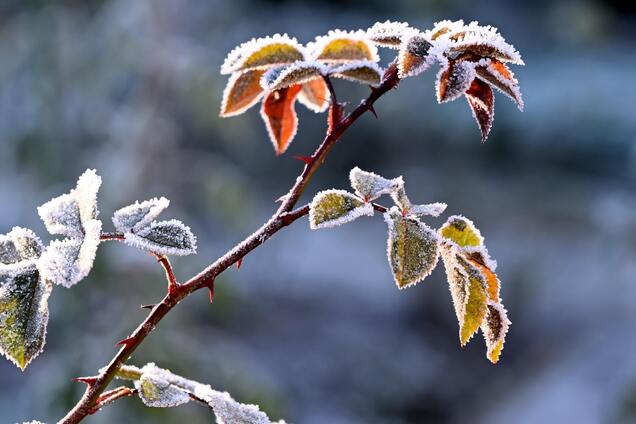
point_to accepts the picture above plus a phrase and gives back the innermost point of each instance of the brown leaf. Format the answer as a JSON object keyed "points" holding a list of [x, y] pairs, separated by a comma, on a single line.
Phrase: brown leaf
{"points": [[482, 103], [243, 90], [499, 76], [413, 57], [495, 327], [315, 95], [453, 81], [280, 116]]}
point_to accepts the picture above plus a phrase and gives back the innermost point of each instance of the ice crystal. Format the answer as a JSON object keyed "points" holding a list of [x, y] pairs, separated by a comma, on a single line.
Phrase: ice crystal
{"points": [[243, 90], [343, 46], [297, 73], [369, 186], [389, 34], [454, 80], [495, 327], [401, 199], [412, 248], [414, 56], [229, 411], [331, 208], [482, 41], [156, 392], [139, 215], [85, 194], [431, 209], [360, 71], [165, 238], [263, 52], [20, 244], [61, 216], [24, 313]]}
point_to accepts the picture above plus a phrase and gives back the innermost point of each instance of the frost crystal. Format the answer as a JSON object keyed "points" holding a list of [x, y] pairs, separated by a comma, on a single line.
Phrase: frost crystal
{"points": [[297, 73], [61, 216], [369, 186], [414, 56], [18, 245], [331, 208], [495, 327], [229, 411], [165, 238], [461, 231], [454, 80], [360, 71], [86, 194], [401, 199], [389, 34], [138, 215], [24, 313], [263, 52], [431, 209], [343, 46], [156, 392], [412, 248]]}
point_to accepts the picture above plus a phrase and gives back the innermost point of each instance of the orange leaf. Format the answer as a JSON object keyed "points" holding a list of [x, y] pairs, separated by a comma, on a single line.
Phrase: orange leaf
{"points": [[413, 57], [492, 281], [243, 90], [280, 116], [453, 81], [315, 95], [482, 103], [499, 76]]}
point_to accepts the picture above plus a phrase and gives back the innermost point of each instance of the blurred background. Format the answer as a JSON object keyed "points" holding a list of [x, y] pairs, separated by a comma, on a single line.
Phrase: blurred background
{"points": [[312, 327]]}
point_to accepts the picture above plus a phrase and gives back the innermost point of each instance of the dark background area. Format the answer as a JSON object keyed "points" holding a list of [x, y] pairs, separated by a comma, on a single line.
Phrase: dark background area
{"points": [[312, 327]]}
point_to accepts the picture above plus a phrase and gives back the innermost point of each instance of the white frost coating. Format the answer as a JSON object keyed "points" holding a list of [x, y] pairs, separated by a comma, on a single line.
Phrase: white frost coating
{"points": [[431, 209], [61, 215], [389, 34], [483, 252], [165, 238], [364, 209], [156, 392], [414, 43], [316, 47], [462, 74], [85, 194], [286, 75], [17, 246], [511, 84], [236, 58], [140, 214], [475, 34], [33, 422], [345, 71], [369, 186], [229, 411]]}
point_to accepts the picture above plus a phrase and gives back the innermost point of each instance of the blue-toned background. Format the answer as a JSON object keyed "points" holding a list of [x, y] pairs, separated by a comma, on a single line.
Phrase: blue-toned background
{"points": [[312, 327]]}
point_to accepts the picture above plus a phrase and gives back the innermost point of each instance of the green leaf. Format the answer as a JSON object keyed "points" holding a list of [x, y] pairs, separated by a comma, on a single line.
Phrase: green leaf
{"points": [[331, 208], [24, 314], [412, 248], [461, 231]]}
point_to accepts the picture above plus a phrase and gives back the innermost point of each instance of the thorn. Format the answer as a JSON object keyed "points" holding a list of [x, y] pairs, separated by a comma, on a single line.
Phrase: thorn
{"points": [[148, 306], [211, 290], [306, 159], [238, 263], [90, 381], [372, 110], [125, 342]]}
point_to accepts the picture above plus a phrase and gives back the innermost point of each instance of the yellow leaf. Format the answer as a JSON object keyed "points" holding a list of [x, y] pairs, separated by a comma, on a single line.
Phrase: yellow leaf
{"points": [[341, 46], [243, 90], [461, 231], [495, 327], [331, 208], [263, 53]]}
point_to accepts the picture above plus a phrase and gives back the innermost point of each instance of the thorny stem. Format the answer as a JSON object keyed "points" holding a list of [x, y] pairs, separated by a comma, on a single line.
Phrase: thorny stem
{"points": [[283, 217]]}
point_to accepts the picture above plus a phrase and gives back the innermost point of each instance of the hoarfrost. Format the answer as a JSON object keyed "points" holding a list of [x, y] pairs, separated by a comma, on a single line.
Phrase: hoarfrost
{"points": [[431, 209], [389, 34], [415, 55], [140, 214], [495, 327], [461, 231], [259, 53], [86, 194], [18, 245], [369, 186], [229, 411], [343, 46], [165, 238], [157, 392], [332, 208], [412, 248], [454, 80], [297, 73], [360, 71], [61, 215]]}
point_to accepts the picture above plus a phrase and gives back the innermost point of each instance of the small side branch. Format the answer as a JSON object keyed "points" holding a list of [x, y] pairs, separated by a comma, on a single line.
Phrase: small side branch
{"points": [[111, 236], [111, 396], [173, 284]]}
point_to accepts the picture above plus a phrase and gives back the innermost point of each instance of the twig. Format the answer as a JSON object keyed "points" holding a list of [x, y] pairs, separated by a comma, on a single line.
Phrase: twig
{"points": [[283, 217], [111, 396]]}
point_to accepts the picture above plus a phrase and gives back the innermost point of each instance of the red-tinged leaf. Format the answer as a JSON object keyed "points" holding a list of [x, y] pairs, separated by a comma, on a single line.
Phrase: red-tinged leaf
{"points": [[482, 102], [280, 116], [243, 90], [454, 80], [315, 95], [499, 76]]}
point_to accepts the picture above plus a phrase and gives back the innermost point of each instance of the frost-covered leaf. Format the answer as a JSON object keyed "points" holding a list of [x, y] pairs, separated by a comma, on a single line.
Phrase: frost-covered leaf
{"points": [[85, 194], [482, 42], [480, 260], [296, 73], [412, 247], [499, 76], [454, 80], [262, 53], [430, 209], [361, 71], [369, 186], [495, 327], [331, 208], [138, 215], [18, 245], [414, 56], [343, 46], [389, 34], [66, 262], [315, 95], [280, 118], [24, 314], [61, 216], [468, 291], [156, 392], [401, 199], [444, 29], [482, 103], [461, 231], [243, 90], [229, 411], [165, 238]]}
